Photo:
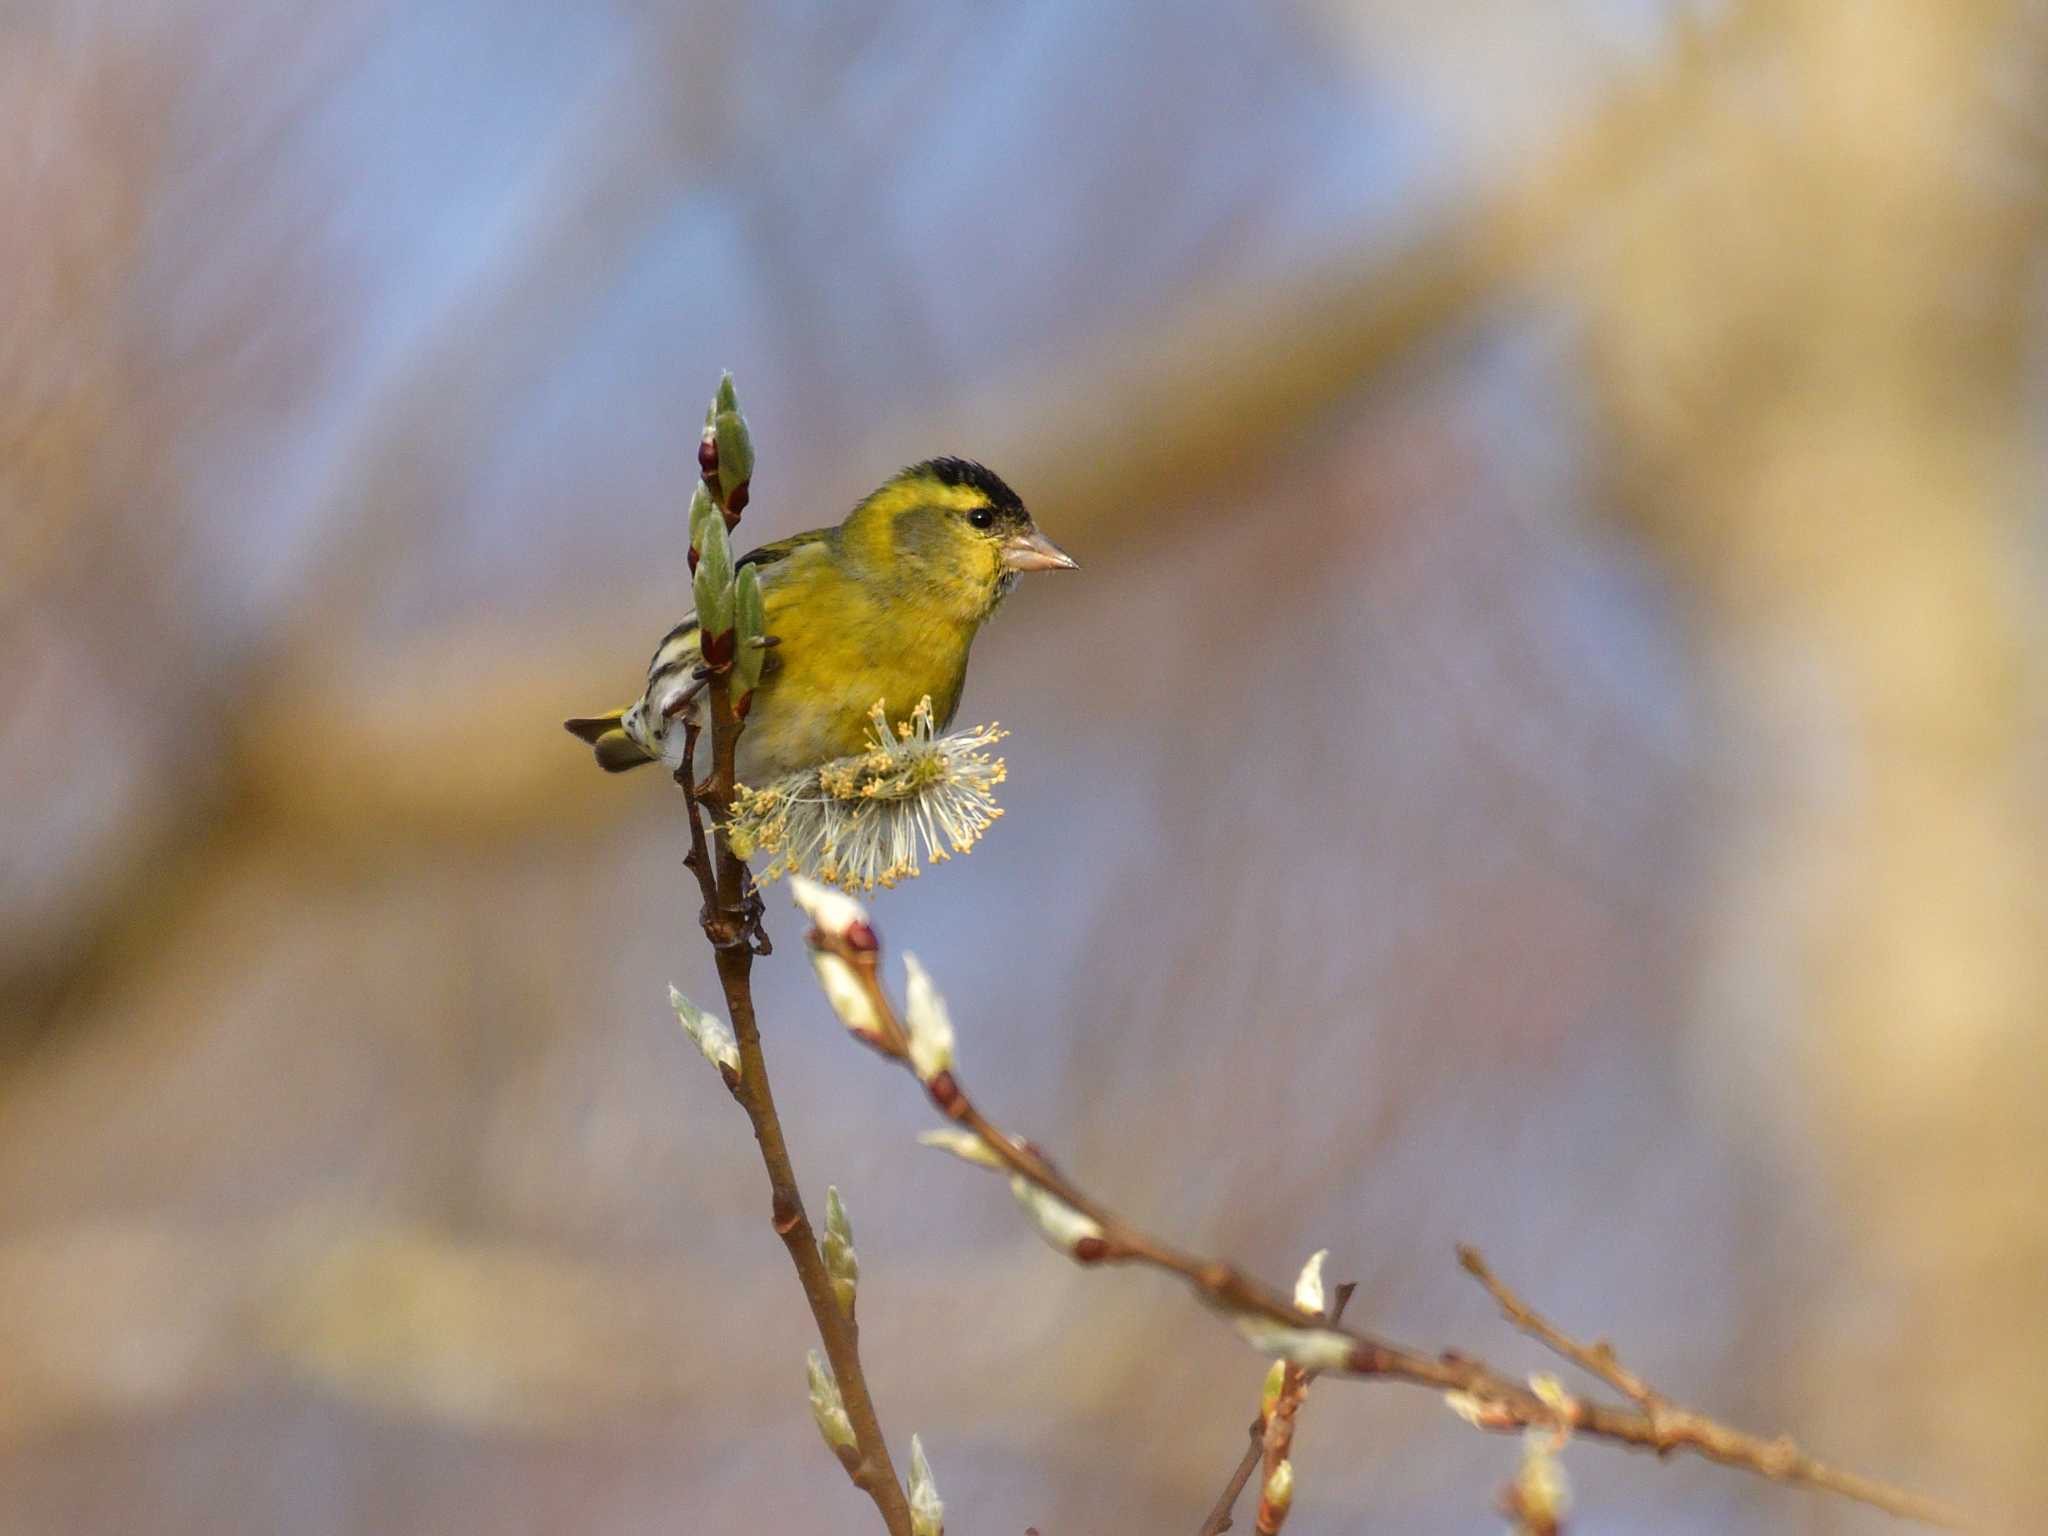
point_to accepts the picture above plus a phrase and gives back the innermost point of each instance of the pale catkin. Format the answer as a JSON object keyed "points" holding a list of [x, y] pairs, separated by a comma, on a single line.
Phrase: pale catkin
{"points": [[873, 818]]}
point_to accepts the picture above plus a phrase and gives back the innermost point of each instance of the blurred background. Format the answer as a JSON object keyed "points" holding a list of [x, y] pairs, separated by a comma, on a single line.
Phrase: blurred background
{"points": [[1545, 749]]}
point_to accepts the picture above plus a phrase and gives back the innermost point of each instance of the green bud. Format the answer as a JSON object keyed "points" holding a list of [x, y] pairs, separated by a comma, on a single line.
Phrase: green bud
{"points": [[1277, 1497], [735, 452], [842, 1264], [715, 598], [828, 1408], [701, 507], [713, 1035], [725, 400], [1071, 1232], [750, 621], [1269, 1391]]}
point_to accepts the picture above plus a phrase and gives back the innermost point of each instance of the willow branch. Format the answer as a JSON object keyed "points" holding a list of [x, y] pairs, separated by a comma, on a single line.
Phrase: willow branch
{"points": [[1487, 1398], [731, 921]]}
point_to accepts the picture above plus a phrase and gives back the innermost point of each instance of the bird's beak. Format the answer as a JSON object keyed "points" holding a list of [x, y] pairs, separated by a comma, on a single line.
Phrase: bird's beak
{"points": [[1033, 551]]}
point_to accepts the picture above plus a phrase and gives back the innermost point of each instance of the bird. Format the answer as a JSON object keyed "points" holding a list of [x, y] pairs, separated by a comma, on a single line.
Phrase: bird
{"points": [[883, 608]]}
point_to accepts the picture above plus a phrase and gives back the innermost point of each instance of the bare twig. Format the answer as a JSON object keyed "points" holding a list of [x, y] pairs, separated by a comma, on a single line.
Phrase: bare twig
{"points": [[731, 921], [1597, 1358], [1487, 1398], [1219, 1513]]}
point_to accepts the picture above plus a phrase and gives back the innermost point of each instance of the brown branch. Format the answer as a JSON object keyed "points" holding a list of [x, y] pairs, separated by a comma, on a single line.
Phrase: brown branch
{"points": [[1597, 1359], [1676, 1428], [731, 921], [1487, 1398], [1219, 1513]]}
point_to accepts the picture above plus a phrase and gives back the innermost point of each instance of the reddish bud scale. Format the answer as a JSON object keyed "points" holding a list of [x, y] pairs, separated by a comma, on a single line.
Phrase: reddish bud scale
{"points": [[736, 503], [707, 461], [861, 938], [946, 1095], [782, 1214], [1369, 1360], [1091, 1250], [717, 649], [693, 561]]}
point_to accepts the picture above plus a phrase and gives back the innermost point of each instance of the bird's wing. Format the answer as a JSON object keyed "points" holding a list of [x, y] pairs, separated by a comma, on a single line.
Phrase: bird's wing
{"points": [[781, 549], [677, 653]]}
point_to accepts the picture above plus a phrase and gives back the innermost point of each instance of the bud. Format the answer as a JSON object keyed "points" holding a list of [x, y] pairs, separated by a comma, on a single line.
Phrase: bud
{"points": [[713, 584], [750, 624], [927, 1510], [1058, 1222], [707, 445], [1467, 1407], [727, 399], [964, 1145], [828, 1407], [842, 1264], [931, 1030], [734, 445], [701, 507], [1313, 1349], [849, 996], [1479, 1412], [1552, 1394], [1308, 1288], [1541, 1495], [1270, 1389], [834, 914], [1277, 1497], [714, 1038]]}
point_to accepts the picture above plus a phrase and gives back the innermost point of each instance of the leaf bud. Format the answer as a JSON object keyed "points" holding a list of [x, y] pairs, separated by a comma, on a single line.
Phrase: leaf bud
{"points": [[713, 1035], [927, 1510], [842, 1264], [750, 622], [828, 1407], [931, 1028]]}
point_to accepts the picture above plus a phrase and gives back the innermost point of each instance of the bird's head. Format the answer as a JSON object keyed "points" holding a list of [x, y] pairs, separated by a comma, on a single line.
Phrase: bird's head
{"points": [[950, 532]]}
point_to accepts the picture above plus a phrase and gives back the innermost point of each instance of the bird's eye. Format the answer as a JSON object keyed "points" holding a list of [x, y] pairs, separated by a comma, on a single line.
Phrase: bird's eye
{"points": [[982, 517]]}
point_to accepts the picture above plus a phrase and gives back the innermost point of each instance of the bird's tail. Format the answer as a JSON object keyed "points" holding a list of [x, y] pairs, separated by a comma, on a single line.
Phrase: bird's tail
{"points": [[616, 751]]}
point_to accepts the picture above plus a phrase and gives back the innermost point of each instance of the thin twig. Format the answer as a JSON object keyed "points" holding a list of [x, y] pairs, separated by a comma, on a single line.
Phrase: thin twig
{"points": [[1597, 1359], [1489, 1399], [731, 921], [1219, 1513]]}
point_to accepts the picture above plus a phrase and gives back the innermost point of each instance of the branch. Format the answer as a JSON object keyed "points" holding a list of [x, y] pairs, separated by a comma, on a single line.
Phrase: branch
{"points": [[1675, 1428], [1219, 1513], [1091, 1233], [731, 921], [1597, 1359]]}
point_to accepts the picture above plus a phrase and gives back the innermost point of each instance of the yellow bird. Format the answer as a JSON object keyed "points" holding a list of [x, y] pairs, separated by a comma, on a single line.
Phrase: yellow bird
{"points": [[883, 607]]}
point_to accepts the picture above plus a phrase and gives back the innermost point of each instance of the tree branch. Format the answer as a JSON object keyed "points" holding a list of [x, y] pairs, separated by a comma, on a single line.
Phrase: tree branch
{"points": [[1219, 1513], [731, 921], [1485, 1397], [1597, 1359]]}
